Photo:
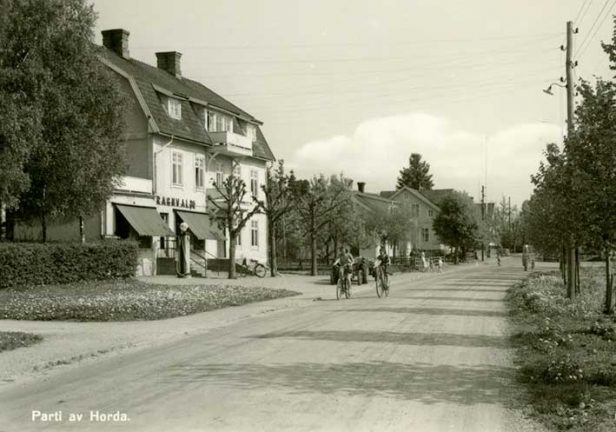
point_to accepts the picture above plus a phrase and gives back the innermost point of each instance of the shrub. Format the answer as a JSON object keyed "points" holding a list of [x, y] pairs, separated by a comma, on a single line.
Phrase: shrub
{"points": [[604, 328], [23, 264]]}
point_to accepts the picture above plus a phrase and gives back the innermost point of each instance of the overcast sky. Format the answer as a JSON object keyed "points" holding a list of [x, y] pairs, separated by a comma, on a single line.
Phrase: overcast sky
{"points": [[356, 86]]}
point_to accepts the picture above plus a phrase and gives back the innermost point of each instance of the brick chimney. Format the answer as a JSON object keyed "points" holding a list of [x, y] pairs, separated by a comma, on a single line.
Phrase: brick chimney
{"points": [[117, 41], [361, 186], [169, 62]]}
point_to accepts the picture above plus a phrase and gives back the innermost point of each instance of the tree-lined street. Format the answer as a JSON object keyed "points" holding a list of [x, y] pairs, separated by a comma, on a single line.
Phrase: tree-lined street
{"points": [[433, 356]]}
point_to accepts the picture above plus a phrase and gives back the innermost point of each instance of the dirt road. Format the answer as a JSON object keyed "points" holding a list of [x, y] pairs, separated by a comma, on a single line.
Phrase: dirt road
{"points": [[433, 356]]}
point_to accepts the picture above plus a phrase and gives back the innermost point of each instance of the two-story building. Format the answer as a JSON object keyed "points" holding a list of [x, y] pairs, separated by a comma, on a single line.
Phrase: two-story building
{"points": [[423, 211], [181, 139]]}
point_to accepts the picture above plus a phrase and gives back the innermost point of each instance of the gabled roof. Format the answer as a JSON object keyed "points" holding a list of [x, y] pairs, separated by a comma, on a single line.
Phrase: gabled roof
{"points": [[152, 83], [436, 195], [416, 194], [372, 202]]}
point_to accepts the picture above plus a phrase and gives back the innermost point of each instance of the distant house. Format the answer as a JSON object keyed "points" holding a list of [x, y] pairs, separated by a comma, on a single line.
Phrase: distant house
{"points": [[372, 205], [423, 212]]}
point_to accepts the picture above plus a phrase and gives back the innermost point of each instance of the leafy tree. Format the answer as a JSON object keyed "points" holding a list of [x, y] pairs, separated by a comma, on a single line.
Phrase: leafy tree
{"points": [[344, 223], [591, 152], [416, 175], [456, 224], [20, 111], [316, 200], [72, 163], [232, 210], [278, 202]]}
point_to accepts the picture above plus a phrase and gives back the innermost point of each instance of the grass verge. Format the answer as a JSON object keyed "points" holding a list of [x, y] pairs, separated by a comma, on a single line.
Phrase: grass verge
{"points": [[12, 340], [566, 352], [126, 300]]}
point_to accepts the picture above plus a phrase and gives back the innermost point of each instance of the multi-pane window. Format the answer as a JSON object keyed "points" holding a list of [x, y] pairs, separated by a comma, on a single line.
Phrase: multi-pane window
{"points": [[199, 171], [220, 177], [415, 210], [239, 238], [176, 171], [430, 212], [254, 182], [254, 233], [174, 108], [217, 122], [425, 235]]}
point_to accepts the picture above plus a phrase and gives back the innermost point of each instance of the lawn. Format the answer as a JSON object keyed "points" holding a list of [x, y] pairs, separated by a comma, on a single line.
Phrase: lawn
{"points": [[13, 340], [566, 351], [124, 300]]}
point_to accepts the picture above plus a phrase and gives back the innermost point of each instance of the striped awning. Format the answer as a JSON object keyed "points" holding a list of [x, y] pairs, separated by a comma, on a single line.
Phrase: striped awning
{"points": [[201, 225], [145, 220]]}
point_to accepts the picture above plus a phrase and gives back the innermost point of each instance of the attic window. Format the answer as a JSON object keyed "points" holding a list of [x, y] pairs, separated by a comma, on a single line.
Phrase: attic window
{"points": [[174, 108]]}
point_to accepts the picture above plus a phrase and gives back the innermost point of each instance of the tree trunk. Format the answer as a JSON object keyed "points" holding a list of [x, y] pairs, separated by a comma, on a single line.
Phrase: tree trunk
{"points": [[455, 255], [335, 245], [577, 270], [570, 271], [82, 231], [44, 226], [563, 264], [313, 254], [272, 247], [232, 241], [3, 223], [609, 306]]}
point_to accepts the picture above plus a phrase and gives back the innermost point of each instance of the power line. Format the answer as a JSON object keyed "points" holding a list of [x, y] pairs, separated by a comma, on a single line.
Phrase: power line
{"points": [[397, 98], [538, 36], [586, 2], [586, 42]]}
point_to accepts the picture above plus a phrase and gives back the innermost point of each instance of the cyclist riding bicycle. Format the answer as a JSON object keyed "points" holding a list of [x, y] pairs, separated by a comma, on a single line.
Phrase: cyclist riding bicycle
{"points": [[345, 261], [383, 262]]}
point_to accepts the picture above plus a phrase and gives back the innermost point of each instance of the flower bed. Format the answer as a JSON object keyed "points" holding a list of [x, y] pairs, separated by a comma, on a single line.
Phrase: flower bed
{"points": [[566, 351], [124, 300]]}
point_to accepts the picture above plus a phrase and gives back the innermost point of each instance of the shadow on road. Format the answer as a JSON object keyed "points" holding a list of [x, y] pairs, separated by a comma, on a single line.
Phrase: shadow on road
{"points": [[419, 382], [465, 299], [393, 337], [499, 291], [431, 311]]}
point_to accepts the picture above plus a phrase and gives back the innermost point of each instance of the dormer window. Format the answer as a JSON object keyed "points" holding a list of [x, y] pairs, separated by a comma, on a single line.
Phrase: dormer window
{"points": [[174, 108], [217, 122]]}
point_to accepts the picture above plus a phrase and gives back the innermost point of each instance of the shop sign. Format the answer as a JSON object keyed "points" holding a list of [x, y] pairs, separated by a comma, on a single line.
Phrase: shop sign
{"points": [[175, 202]]}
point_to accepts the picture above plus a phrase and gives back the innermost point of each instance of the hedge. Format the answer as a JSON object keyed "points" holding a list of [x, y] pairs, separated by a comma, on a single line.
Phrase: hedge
{"points": [[27, 264]]}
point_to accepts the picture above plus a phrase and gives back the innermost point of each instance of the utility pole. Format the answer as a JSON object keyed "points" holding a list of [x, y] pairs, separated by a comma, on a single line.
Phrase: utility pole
{"points": [[483, 218], [571, 279]]}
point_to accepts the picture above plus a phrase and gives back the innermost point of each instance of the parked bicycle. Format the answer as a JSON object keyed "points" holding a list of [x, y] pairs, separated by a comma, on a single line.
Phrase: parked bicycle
{"points": [[381, 280], [253, 267], [343, 287]]}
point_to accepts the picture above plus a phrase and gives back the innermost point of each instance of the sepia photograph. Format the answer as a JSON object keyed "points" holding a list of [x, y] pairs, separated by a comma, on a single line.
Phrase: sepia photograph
{"points": [[292, 215]]}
